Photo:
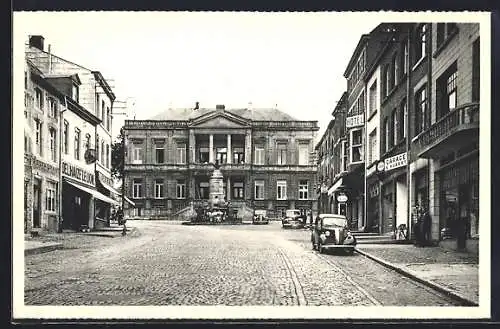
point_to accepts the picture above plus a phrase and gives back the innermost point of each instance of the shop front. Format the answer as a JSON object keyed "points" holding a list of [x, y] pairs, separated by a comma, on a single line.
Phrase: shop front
{"points": [[103, 209]]}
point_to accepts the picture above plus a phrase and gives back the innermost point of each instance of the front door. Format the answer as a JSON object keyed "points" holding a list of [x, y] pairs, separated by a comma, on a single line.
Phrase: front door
{"points": [[37, 202]]}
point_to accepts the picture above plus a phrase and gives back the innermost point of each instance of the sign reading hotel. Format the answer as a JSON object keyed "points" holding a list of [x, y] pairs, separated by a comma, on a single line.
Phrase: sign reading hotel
{"points": [[78, 173], [354, 121], [396, 161]]}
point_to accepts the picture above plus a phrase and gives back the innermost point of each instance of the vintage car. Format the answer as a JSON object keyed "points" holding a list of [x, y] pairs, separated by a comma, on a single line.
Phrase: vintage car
{"points": [[293, 219], [259, 217], [330, 231]]}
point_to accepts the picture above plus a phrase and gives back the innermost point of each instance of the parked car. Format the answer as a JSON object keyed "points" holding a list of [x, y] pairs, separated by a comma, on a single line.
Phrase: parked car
{"points": [[330, 231], [259, 217], [292, 219]]}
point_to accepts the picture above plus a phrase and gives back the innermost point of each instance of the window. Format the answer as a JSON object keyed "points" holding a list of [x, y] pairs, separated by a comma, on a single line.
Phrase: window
{"points": [[475, 71], [405, 57], [108, 119], [221, 155], [181, 154], [387, 135], [137, 188], [39, 98], [444, 31], [103, 158], [107, 155], [372, 148], [203, 191], [447, 90], [25, 80], [303, 154], [103, 117], [97, 148], [52, 142], [281, 190], [137, 154], [420, 42], [402, 120], [238, 190], [38, 136], [159, 188], [281, 158], [74, 93], [180, 189], [372, 102], [421, 111], [77, 144], [160, 153], [387, 80], [395, 67], [87, 142], [238, 155], [52, 107], [303, 190], [345, 156], [204, 155], [356, 146], [50, 196], [259, 190], [66, 137], [259, 155], [395, 126], [26, 144]]}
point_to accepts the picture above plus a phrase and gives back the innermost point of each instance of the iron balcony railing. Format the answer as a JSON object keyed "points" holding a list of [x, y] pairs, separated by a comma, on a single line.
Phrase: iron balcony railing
{"points": [[458, 118]]}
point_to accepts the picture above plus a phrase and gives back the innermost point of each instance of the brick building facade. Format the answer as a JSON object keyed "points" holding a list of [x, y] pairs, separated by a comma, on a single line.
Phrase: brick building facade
{"points": [[266, 158]]}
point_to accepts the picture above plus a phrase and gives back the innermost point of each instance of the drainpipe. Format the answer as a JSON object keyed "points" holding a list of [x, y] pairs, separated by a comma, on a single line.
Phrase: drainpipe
{"points": [[408, 142], [61, 120], [428, 44]]}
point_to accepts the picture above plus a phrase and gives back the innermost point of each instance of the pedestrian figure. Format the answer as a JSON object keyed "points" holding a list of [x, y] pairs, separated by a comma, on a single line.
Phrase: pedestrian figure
{"points": [[426, 227], [417, 226]]}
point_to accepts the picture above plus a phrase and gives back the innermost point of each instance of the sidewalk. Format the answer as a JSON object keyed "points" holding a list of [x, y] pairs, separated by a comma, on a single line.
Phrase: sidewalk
{"points": [[451, 272]]}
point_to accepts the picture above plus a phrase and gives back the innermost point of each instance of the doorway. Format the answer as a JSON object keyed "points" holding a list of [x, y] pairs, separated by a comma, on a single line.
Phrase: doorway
{"points": [[37, 200]]}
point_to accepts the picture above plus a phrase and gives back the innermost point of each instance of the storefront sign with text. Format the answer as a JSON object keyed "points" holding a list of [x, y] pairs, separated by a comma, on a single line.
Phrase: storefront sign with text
{"points": [[78, 173], [354, 121], [396, 161]]}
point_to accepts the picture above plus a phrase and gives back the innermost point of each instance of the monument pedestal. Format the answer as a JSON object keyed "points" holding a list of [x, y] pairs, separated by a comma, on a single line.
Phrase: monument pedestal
{"points": [[216, 188]]}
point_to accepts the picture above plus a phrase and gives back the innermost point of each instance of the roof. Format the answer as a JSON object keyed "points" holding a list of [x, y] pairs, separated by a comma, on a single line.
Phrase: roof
{"points": [[362, 40], [256, 114]]}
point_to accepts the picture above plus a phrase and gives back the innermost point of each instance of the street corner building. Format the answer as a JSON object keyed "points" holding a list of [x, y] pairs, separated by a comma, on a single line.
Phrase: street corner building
{"points": [[405, 134], [67, 143], [266, 158]]}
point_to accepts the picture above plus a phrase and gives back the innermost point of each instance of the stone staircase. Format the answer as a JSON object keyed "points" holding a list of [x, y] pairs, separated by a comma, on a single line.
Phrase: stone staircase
{"points": [[376, 238]]}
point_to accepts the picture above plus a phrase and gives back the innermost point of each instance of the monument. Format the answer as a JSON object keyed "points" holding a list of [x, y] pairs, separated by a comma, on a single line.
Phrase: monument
{"points": [[216, 187]]}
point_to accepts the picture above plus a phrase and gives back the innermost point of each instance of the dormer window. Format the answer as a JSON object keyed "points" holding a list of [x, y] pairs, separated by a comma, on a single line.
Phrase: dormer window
{"points": [[74, 93]]}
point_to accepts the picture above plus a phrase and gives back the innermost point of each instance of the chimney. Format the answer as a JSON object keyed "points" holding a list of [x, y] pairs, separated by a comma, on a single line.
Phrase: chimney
{"points": [[219, 107], [36, 41]]}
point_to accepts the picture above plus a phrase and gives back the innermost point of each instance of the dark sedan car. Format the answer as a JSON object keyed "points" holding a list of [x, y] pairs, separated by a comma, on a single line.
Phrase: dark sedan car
{"points": [[330, 231], [292, 219]]}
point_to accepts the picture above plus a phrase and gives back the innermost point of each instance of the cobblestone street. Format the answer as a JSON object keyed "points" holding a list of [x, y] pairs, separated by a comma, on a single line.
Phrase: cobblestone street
{"points": [[165, 263]]}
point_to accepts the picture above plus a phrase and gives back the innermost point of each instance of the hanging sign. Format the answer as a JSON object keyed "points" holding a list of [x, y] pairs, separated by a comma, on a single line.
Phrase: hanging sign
{"points": [[354, 121], [396, 161], [342, 198]]}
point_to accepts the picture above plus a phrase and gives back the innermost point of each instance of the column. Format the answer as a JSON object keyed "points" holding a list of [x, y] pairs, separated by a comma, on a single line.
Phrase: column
{"points": [[192, 146], [228, 187], [211, 149], [229, 153]]}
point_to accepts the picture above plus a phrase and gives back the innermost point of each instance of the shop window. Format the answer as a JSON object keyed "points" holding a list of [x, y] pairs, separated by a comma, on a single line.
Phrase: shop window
{"points": [[137, 188], [50, 196], [281, 190], [303, 190], [259, 155], [238, 190], [281, 156], [159, 189], [447, 91], [259, 190], [180, 189]]}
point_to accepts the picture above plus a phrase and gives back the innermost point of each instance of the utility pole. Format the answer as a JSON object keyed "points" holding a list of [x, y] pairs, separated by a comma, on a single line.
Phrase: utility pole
{"points": [[407, 128]]}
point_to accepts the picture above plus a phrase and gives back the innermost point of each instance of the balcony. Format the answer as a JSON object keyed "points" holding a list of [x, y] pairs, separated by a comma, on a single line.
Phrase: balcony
{"points": [[450, 131]]}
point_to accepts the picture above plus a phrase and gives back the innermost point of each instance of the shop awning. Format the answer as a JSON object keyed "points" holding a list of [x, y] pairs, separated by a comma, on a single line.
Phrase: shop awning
{"points": [[93, 192], [107, 187], [335, 187], [130, 201]]}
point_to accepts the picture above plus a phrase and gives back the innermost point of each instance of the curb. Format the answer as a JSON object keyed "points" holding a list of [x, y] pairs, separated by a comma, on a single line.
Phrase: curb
{"points": [[430, 284], [42, 249]]}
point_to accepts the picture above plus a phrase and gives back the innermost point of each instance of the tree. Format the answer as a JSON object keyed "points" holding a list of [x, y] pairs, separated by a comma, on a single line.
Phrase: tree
{"points": [[117, 156]]}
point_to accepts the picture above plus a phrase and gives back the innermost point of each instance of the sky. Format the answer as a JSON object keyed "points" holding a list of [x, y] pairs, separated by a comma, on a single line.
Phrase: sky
{"points": [[155, 60]]}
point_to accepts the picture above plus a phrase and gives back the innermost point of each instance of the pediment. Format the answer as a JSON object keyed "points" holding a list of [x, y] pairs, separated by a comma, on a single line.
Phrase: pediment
{"points": [[219, 120]]}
